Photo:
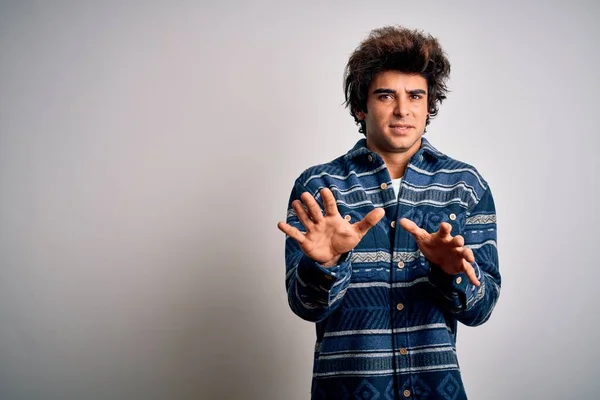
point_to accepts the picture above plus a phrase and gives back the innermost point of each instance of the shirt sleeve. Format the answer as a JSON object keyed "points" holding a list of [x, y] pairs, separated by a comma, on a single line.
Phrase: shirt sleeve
{"points": [[472, 305], [314, 291]]}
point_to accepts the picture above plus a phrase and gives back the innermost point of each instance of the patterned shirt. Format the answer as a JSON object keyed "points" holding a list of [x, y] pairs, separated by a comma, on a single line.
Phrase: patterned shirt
{"points": [[386, 318]]}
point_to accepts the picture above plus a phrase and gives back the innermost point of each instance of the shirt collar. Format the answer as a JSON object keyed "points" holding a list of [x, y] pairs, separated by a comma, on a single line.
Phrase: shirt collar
{"points": [[360, 149]]}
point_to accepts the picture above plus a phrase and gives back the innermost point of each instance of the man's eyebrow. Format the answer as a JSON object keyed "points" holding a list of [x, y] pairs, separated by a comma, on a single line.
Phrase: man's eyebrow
{"points": [[387, 91], [391, 91]]}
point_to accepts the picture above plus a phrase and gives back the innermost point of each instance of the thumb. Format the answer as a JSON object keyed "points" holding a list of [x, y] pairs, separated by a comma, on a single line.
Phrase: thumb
{"points": [[370, 220], [412, 228]]}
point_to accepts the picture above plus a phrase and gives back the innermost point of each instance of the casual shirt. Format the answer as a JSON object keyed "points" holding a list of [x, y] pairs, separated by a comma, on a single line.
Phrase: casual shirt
{"points": [[386, 318]]}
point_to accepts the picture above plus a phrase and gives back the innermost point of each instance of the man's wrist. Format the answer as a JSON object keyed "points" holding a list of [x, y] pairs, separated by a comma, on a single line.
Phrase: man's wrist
{"points": [[333, 262]]}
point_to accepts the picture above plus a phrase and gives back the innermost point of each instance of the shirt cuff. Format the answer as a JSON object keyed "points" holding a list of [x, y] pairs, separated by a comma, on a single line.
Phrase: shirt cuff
{"points": [[315, 273], [456, 288]]}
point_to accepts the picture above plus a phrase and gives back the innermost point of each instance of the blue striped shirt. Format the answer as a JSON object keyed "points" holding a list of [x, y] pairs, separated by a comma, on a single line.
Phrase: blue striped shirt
{"points": [[386, 319]]}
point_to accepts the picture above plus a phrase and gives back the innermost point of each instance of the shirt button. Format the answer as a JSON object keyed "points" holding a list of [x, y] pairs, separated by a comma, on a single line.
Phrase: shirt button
{"points": [[370, 158], [348, 217], [401, 264], [406, 393], [458, 280], [400, 306], [403, 351], [383, 186], [452, 216], [393, 224]]}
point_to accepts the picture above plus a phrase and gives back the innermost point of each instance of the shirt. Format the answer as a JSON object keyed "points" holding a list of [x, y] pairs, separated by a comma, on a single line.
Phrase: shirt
{"points": [[396, 185], [386, 318]]}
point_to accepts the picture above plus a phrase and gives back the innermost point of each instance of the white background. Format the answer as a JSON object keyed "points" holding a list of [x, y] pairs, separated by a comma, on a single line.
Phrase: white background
{"points": [[148, 149]]}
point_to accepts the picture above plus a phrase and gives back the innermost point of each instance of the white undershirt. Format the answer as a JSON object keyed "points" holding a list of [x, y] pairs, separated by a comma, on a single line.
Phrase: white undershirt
{"points": [[396, 186]]}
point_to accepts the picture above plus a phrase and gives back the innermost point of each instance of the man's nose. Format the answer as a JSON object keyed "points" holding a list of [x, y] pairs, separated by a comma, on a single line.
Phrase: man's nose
{"points": [[401, 107]]}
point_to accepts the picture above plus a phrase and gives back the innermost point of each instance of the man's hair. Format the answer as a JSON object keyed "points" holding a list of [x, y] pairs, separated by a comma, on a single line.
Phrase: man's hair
{"points": [[394, 48]]}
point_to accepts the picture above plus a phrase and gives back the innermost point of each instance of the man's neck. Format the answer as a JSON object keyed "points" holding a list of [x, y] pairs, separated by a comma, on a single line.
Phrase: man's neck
{"points": [[396, 163]]}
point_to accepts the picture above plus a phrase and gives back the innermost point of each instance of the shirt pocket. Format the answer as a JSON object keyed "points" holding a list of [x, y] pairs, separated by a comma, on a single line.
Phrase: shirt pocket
{"points": [[367, 259], [370, 273], [455, 216], [370, 262]]}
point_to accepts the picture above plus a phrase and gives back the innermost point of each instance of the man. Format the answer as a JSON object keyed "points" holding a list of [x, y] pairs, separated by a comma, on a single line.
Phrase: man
{"points": [[393, 243]]}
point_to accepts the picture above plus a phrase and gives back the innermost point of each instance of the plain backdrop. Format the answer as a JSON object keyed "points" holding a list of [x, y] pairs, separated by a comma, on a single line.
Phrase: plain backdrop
{"points": [[148, 149]]}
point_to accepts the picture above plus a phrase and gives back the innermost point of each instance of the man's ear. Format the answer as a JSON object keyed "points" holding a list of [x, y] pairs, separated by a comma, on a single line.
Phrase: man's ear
{"points": [[360, 115]]}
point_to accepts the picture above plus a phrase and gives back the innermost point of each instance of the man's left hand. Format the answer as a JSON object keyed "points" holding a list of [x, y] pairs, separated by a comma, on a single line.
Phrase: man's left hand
{"points": [[443, 249]]}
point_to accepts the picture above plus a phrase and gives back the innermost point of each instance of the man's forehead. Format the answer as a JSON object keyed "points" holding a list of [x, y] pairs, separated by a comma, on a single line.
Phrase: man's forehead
{"points": [[396, 79]]}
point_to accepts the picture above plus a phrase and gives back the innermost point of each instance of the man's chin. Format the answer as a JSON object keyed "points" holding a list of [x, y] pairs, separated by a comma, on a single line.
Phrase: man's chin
{"points": [[405, 144]]}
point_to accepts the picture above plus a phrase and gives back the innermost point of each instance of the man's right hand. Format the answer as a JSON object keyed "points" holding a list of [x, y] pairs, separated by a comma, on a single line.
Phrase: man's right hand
{"points": [[327, 236]]}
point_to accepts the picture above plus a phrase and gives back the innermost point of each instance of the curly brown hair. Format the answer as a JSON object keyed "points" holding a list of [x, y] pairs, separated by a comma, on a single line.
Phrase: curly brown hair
{"points": [[399, 49]]}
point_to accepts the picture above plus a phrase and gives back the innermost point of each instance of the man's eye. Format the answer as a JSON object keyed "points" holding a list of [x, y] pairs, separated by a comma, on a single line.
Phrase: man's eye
{"points": [[416, 96], [386, 96]]}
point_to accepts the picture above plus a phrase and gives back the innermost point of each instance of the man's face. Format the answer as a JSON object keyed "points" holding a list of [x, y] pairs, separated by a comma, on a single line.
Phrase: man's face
{"points": [[396, 112]]}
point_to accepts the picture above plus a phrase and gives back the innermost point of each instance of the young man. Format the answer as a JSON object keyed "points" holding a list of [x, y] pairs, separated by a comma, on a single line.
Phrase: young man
{"points": [[393, 243]]}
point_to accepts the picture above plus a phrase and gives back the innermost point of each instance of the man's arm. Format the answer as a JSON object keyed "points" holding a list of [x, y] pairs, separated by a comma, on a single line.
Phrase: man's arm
{"points": [[464, 268], [314, 291], [317, 252], [470, 304]]}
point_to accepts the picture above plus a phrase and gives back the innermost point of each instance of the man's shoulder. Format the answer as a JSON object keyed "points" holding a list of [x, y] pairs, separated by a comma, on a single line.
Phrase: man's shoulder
{"points": [[435, 167], [340, 168], [336, 168], [452, 171], [454, 164]]}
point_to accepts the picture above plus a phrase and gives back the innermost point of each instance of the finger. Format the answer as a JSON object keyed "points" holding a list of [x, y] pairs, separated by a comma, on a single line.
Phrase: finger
{"points": [[458, 241], [329, 202], [470, 272], [302, 214], [468, 255], [412, 228], [292, 232], [444, 230], [314, 210], [369, 221]]}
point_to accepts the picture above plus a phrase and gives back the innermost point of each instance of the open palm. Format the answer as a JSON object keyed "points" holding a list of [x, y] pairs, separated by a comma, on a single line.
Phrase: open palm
{"points": [[443, 249], [327, 236]]}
